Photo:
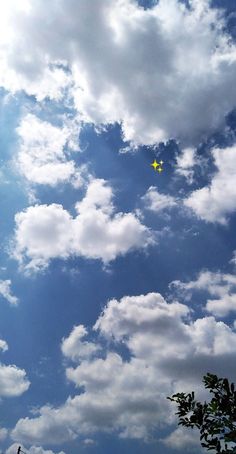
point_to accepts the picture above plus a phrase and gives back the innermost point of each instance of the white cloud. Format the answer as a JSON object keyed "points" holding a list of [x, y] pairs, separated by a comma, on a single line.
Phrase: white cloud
{"points": [[42, 158], [126, 316], [165, 72], [119, 397], [215, 283], [32, 450], [3, 433], [185, 163], [3, 345], [215, 203], [183, 439], [75, 347], [186, 159], [233, 260], [212, 338], [89, 442], [30, 70], [44, 232], [221, 307], [168, 352], [5, 292], [219, 285], [13, 381], [156, 201]]}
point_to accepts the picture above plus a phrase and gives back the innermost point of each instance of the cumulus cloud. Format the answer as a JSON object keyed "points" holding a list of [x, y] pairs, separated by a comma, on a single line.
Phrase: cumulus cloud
{"points": [[44, 232], [164, 72], [13, 381], [75, 347], [32, 450], [136, 313], [221, 287], [221, 307], [5, 292], [215, 203], [167, 351], [31, 71], [42, 157], [156, 201]]}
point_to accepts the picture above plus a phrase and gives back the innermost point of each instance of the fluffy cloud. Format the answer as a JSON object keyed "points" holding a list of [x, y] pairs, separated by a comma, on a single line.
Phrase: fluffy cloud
{"points": [[163, 72], [156, 201], [75, 347], [31, 71], [42, 158], [221, 307], [167, 351], [44, 232], [214, 203], [218, 285], [32, 450], [13, 381], [5, 292], [136, 313]]}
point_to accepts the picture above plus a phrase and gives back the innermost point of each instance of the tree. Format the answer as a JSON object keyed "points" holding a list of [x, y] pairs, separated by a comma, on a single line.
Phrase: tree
{"points": [[216, 420]]}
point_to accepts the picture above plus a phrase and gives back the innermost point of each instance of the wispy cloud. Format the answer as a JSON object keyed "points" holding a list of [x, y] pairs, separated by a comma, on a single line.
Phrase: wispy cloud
{"points": [[220, 286], [5, 292], [156, 201]]}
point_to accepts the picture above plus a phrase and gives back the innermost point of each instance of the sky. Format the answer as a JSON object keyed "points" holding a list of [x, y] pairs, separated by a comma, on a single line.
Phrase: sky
{"points": [[117, 281]]}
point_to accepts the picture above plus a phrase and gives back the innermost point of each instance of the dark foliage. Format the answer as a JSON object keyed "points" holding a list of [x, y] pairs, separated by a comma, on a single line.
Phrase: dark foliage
{"points": [[215, 420]]}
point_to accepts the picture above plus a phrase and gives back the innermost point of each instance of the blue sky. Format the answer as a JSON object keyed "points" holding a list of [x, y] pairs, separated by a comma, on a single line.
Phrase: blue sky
{"points": [[117, 283]]}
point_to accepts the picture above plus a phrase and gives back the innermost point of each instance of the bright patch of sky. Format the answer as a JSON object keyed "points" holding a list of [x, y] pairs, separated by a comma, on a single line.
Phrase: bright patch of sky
{"points": [[117, 282]]}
